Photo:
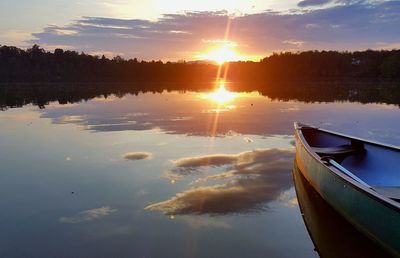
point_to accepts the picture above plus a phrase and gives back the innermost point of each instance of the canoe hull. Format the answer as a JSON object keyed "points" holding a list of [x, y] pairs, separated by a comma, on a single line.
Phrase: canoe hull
{"points": [[370, 215], [327, 228]]}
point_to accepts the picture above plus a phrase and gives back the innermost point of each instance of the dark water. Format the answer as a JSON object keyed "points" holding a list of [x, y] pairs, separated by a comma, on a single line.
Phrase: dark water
{"points": [[164, 175]]}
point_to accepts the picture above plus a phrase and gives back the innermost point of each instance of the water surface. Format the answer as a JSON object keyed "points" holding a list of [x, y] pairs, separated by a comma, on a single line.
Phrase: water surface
{"points": [[168, 174]]}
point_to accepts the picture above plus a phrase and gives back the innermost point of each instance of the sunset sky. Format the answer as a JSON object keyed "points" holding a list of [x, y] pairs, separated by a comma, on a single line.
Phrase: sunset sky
{"points": [[175, 30]]}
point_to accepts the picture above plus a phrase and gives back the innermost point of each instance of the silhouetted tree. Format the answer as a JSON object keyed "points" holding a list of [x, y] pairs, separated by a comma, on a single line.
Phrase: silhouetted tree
{"points": [[37, 65]]}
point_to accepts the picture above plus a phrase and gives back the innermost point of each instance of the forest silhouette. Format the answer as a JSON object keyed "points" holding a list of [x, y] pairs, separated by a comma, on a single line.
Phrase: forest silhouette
{"points": [[37, 65], [35, 76], [42, 94]]}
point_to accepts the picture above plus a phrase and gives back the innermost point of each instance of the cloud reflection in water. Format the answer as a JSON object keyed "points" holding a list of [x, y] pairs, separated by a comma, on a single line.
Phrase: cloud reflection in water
{"points": [[137, 155], [254, 178], [180, 114], [88, 215], [175, 113]]}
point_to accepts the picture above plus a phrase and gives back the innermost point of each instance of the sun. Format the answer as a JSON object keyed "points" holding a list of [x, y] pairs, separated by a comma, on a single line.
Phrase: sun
{"points": [[222, 54]]}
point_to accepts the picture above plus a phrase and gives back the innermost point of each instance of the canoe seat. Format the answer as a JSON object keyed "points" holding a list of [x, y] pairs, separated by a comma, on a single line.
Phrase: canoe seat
{"points": [[346, 149], [392, 192]]}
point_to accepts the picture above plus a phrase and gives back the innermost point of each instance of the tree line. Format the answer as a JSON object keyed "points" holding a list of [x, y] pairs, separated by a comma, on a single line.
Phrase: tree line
{"points": [[37, 65], [320, 65], [41, 94]]}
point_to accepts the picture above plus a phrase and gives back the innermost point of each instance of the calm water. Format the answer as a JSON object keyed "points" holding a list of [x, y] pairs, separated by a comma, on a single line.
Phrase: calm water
{"points": [[164, 175]]}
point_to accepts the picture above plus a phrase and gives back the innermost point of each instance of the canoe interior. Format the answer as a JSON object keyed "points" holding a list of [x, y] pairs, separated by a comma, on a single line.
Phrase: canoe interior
{"points": [[376, 165]]}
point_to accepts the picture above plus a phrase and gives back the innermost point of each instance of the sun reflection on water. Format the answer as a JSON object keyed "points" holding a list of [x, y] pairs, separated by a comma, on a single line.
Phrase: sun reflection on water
{"points": [[221, 95]]}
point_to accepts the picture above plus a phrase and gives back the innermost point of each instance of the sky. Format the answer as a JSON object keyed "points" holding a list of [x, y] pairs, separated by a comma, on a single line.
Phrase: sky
{"points": [[188, 30]]}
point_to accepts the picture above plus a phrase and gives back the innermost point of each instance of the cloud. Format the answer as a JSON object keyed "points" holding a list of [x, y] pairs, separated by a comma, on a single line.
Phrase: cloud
{"points": [[296, 43], [256, 177], [137, 155], [307, 3], [189, 165], [71, 119], [192, 165], [208, 160], [88, 215], [341, 25]]}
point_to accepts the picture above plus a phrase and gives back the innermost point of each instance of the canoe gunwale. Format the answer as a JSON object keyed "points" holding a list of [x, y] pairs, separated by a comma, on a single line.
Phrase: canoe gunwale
{"points": [[345, 178], [299, 126]]}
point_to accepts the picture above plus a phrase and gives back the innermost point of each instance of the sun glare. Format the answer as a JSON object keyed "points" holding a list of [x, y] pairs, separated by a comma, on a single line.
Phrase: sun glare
{"points": [[221, 95], [225, 53]]}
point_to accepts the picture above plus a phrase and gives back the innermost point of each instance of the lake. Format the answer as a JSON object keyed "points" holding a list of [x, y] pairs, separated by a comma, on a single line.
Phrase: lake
{"points": [[166, 174]]}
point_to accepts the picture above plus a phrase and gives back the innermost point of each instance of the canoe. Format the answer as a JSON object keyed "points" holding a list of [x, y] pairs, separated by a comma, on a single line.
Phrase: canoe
{"points": [[332, 235], [360, 179]]}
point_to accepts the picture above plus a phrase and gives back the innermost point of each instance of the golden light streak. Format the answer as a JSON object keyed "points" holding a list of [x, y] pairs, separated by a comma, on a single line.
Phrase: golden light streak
{"points": [[221, 97], [214, 123]]}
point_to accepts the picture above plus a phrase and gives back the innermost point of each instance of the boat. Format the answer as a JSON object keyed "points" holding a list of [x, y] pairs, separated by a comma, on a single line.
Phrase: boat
{"points": [[327, 227], [360, 179]]}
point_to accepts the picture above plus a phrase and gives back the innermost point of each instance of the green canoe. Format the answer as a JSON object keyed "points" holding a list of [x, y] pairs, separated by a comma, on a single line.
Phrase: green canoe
{"points": [[360, 179]]}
